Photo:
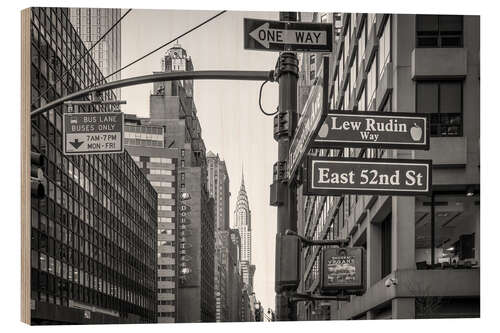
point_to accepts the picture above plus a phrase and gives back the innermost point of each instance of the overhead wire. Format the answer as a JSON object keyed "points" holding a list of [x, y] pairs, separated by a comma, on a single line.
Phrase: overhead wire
{"points": [[160, 47], [260, 101]]}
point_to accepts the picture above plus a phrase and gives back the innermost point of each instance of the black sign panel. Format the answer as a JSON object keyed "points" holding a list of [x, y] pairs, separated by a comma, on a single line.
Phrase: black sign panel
{"points": [[265, 35], [337, 176], [373, 130], [342, 269], [313, 115]]}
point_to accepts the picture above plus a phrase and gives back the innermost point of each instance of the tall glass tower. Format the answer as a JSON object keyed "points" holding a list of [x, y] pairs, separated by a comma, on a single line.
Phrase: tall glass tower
{"points": [[91, 24]]}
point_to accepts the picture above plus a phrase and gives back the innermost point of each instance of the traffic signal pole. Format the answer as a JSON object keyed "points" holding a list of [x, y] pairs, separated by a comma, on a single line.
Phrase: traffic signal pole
{"points": [[287, 75]]}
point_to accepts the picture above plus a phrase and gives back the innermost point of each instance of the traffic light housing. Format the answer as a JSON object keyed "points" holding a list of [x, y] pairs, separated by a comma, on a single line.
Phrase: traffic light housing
{"points": [[287, 263], [38, 182]]}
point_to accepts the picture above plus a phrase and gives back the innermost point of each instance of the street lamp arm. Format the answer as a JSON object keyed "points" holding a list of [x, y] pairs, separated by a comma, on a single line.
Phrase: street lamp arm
{"points": [[159, 77]]}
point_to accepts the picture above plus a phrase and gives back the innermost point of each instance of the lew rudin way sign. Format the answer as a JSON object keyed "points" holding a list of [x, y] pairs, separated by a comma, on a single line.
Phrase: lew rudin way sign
{"points": [[373, 130], [312, 116], [338, 176], [265, 35], [93, 133]]}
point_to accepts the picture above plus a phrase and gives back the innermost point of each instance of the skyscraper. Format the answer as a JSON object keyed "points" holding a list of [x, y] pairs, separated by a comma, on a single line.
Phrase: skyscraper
{"points": [[218, 187], [93, 238], [242, 221], [172, 107], [91, 24], [145, 142]]}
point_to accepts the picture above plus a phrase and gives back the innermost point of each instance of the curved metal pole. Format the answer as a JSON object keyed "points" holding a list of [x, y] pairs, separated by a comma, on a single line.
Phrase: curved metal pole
{"points": [[159, 77]]}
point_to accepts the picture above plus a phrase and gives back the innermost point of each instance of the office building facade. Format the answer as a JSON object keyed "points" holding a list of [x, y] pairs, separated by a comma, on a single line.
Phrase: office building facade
{"points": [[422, 253], [145, 143], [93, 237], [218, 186], [172, 107]]}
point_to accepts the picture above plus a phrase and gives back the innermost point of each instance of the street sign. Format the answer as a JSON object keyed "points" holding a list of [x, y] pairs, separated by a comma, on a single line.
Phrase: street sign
{"points": [[92, 133], [342, 269], [266, 35], [312, 116], [373, 130], [337, 176]]}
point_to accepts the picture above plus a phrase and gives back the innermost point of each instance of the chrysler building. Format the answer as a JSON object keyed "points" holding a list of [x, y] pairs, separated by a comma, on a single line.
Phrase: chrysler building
{"points": [[242, 221]]}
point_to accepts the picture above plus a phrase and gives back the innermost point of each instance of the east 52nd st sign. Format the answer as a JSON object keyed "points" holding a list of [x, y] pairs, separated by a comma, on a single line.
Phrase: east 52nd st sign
{"points": [[338, 176], [373, 130], [93, 133]]}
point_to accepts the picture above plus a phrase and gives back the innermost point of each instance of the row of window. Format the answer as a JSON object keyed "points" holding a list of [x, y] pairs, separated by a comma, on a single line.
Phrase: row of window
{"points": [[432, 97], [99, 219]]}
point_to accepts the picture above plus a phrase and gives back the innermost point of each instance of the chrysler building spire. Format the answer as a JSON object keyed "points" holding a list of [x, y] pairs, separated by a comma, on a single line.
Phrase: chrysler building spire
{"points": [[242, 221]]}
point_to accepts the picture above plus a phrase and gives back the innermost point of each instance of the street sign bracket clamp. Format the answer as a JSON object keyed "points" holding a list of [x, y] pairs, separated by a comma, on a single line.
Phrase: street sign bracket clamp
{"points": [[306, 241]]}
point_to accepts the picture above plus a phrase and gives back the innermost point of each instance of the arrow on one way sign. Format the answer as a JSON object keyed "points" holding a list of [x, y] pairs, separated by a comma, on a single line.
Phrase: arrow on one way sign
{"points": [[265, 35]]}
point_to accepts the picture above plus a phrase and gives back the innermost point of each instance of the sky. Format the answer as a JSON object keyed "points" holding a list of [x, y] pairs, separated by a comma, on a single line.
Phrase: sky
{"points": [[231, 121]]}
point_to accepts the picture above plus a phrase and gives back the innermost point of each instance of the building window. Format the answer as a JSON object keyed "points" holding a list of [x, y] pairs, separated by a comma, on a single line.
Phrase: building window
{"points": [[361, 44], [312, 59], [440, 31], [371, 85], [384, 48], [362, 101], [443, 101], [312, 75]]}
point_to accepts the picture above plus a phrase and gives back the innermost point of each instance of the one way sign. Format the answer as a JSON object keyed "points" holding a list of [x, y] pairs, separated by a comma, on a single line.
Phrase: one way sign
{"points": [[267, 35]]}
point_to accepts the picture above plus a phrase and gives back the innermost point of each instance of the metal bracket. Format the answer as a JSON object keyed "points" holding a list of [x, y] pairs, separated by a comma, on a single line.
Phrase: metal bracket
{"points": [[297, 297], [323, 242], [280, 125], [280, 171], [287, 63]]}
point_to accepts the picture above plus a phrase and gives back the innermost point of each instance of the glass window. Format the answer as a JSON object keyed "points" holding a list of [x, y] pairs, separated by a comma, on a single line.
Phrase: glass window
{"points": [[439, 30], [362, 101], [384, 48], [370, 22], [456, 231], [371, 84], [443, 101]]}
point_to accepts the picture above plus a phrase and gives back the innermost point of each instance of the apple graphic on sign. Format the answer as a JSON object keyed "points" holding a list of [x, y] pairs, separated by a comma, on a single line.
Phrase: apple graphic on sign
{"points": [[416, 132], [323, 131]]}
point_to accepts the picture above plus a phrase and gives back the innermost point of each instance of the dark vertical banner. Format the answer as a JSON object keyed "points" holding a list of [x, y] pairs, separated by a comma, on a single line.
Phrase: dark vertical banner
{"points": [[342, 269], [312, 116]]}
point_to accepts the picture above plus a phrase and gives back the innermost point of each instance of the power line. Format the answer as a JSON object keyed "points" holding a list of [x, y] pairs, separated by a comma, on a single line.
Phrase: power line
{"points": [[162, 46], [86, 53]]}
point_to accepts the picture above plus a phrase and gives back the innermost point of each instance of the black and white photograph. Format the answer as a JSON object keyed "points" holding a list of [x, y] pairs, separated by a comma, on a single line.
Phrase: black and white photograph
{"points": [[195, 166]]}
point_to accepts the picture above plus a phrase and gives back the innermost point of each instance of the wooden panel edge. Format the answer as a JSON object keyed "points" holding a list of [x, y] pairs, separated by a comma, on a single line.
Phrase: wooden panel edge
{"points": [[25, 166]]}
